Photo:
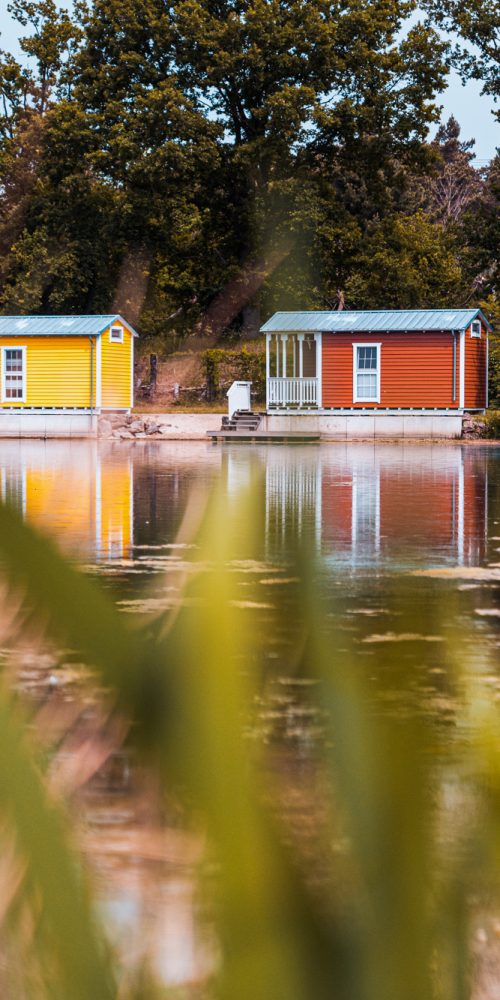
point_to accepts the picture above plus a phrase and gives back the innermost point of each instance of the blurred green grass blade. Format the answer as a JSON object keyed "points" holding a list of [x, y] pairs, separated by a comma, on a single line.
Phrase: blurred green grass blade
{"points": [[378, 765], [81, 962], [274, 943], [75, 611]]}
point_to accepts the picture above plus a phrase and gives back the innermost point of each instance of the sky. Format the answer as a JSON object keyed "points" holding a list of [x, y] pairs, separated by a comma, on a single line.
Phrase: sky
{"points": [[472, 110]]}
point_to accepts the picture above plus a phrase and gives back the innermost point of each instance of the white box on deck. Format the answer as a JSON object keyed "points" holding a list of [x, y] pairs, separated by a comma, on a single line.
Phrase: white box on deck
{"points": [[238, 397]]}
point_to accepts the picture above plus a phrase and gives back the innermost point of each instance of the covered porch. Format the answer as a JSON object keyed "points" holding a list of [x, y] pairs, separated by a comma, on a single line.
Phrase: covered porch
{"points": [[293, 371]]}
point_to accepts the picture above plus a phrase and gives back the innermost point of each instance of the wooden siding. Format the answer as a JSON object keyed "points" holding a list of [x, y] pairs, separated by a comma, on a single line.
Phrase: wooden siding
{"points": [[57, 371], [116, 371], [475, 369], [416, 370]]}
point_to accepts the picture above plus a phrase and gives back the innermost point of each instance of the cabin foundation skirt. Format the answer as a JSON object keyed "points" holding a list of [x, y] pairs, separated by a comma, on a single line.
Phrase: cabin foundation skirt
{"points": [[48, 424], [345, 425]]}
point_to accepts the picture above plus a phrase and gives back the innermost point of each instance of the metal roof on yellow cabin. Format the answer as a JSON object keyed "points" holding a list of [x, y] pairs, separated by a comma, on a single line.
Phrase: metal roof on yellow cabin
{"points": [[59, 326]]}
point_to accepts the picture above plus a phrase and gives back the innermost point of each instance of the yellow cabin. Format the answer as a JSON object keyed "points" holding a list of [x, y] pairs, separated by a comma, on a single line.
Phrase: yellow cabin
{"points": [[57, 373]]}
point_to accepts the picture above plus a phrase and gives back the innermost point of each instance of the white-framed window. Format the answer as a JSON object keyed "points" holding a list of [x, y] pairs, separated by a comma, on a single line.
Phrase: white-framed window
{"points": [[366, 373], [116, 334], [13, 374], [475, 330]]}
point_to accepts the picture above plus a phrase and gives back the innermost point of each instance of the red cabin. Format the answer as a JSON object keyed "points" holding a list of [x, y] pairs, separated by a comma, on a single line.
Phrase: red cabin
{"points": [[391, 360]]}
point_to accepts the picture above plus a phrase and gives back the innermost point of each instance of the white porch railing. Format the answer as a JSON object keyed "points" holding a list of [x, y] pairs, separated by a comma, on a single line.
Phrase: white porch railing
{"points": [[286, 392]]}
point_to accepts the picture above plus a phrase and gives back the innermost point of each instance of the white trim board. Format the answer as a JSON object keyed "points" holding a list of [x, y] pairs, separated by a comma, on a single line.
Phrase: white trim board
{"points": [[98, 372], [461, 393], [131, 372]]}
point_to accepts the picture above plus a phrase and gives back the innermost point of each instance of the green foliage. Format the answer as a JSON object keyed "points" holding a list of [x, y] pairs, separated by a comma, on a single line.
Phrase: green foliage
{"points": [[193, 166], [212, 362], [494, 375], [474, 23], [491, 309], [492, 417], [222, 366], [405, 262]]}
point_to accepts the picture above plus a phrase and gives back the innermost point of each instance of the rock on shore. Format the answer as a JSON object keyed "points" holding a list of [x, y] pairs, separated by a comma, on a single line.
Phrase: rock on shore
{"points": [[157, 426]]}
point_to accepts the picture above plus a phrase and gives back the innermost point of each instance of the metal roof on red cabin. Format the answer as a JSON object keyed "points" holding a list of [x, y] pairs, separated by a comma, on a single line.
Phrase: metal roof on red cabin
{"points": [[372, 321]]}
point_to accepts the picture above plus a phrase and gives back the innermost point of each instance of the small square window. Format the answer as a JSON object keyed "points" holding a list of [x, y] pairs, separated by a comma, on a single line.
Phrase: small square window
{"points": [[475, 330], [116, 334]]}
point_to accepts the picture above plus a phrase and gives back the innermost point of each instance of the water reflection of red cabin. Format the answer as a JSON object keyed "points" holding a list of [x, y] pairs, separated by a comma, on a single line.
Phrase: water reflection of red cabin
{"points": [[359, 503], [407, 506]]}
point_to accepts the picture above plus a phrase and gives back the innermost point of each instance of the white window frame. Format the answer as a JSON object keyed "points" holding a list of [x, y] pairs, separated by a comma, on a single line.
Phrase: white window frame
{"points": [[18, 399], [363, 371], [475, 328], [119, 339]]}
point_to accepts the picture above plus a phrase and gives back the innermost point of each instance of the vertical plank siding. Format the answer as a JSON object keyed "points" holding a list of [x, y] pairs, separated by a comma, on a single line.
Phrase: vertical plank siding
{"points": [[416, 370], [57, 371], [116, 371], [475, 369]]}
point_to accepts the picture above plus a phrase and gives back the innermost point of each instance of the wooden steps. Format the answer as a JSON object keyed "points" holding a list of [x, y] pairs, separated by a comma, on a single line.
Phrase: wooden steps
{"points": [[242, 420], [245, 427]]}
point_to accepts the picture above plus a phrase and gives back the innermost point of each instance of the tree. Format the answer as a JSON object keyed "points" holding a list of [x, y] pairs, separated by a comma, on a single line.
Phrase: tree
{"points": [[477, 23], [321, 89], [52, 38], [406, 262], [26, 96], [480, 226], [454, 185], [197, 159]]}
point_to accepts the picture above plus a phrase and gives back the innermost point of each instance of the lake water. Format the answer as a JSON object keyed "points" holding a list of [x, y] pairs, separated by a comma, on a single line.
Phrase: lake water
{"points": [[403, 544], [369, 517]]}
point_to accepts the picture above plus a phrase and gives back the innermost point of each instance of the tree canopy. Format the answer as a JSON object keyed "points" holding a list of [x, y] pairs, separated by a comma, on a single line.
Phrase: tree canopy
{"points": [[196, 162]]}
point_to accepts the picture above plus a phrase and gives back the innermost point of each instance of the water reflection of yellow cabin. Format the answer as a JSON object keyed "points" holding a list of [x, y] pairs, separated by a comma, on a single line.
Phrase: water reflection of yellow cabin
{"points": [[95, 505]]}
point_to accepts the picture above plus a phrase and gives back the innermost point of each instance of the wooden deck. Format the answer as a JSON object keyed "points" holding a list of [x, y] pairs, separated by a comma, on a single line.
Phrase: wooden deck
{"points": [[272, 437]]}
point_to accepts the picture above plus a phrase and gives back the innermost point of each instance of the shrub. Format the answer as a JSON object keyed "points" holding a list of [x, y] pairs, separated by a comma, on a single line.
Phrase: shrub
{"points": [[492, 425], [223, 367]]}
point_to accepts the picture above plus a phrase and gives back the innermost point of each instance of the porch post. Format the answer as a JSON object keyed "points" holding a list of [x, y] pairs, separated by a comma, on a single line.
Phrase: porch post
{"points": [[268, 366], [300, 339], [284, 338], [318, 337]]}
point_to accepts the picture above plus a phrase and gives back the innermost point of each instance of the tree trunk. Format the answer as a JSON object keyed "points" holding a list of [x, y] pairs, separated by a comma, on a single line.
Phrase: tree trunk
{"points": [[251, 320]]}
